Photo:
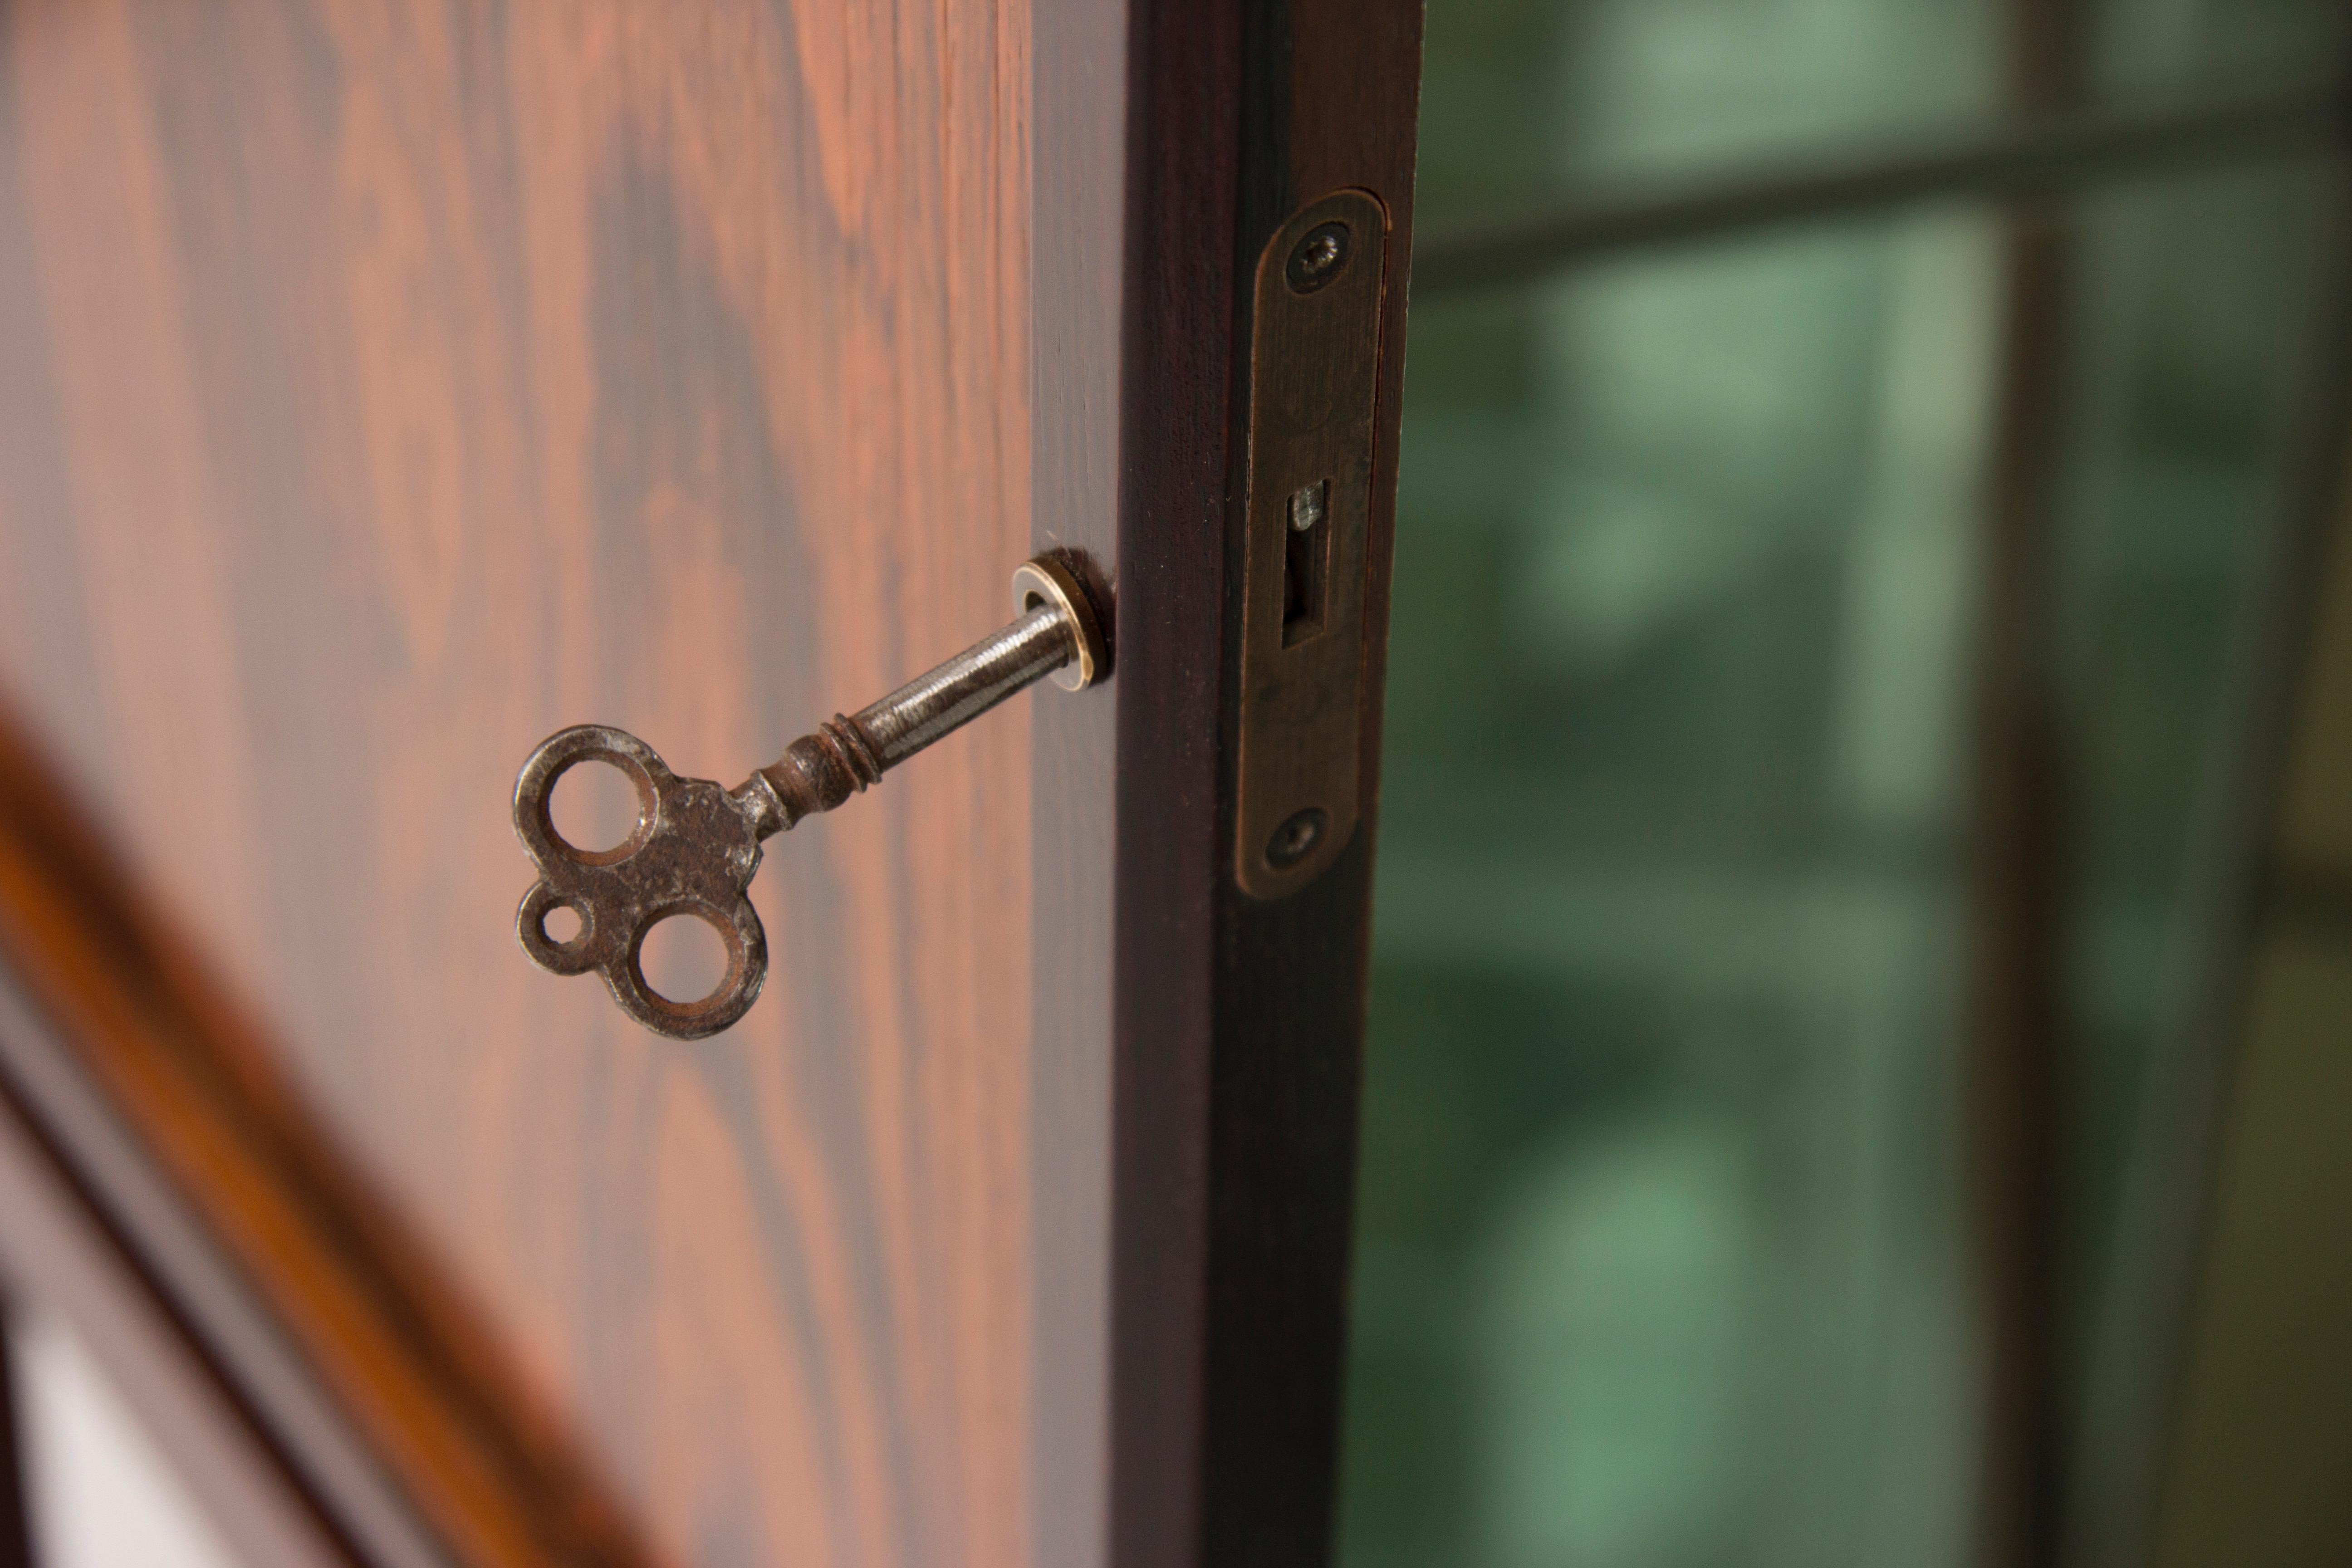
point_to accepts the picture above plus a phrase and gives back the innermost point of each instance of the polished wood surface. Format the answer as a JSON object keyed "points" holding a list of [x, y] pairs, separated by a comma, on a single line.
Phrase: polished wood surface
{"points": [[385, 385]]}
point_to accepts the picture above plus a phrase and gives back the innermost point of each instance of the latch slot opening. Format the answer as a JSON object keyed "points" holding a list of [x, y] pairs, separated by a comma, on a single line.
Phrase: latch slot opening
{"points": [[1306, 562]]}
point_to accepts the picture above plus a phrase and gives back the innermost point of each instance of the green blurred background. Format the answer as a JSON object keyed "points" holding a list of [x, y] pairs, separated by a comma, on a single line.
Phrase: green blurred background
{"points": [[1662, 1255]]}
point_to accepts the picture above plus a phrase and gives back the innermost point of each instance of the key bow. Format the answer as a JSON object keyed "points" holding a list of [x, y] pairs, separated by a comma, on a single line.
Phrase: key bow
{"points": [[693, 852], [696, 846]]}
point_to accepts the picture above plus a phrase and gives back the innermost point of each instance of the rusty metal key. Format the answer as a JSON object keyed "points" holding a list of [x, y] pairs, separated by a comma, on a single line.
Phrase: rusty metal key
{"points": [[696, 846]]}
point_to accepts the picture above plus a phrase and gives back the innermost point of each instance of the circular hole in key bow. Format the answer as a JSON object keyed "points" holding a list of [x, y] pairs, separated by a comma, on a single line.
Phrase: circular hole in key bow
{"points": [[594, 806], [684, 958], [562, 924]]}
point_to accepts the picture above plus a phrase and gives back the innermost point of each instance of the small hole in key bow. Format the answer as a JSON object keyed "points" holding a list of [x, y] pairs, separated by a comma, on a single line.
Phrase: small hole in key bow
{"points": [[596, 806], [684, 958], [562, 924]]}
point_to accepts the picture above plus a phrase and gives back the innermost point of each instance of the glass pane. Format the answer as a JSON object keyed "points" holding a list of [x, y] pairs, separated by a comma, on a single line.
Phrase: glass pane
{"points": [[1660, 1240], [1658, 1230], [2144, 47], [1519, 97], [1525, 97], [2196, 299]]}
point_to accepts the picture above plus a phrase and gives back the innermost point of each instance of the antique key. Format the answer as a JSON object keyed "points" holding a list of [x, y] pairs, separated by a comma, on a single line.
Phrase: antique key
{"points": [[696, 846]]}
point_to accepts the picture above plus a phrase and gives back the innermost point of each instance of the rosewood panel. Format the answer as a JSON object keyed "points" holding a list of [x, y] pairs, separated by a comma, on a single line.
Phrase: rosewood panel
{"points": [[385, 384]]}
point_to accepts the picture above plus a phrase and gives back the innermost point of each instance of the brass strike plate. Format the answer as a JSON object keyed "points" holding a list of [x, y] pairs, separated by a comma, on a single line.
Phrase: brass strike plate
{"points": [[1315, 360]]}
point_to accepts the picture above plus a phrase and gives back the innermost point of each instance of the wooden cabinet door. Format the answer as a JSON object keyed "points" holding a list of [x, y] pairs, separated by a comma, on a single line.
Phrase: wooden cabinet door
{"points": [[385, 384]]}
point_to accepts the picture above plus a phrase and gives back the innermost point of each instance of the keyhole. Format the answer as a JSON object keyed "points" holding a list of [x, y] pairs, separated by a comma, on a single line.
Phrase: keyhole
{"points": [[594, 806], [684, 958]]}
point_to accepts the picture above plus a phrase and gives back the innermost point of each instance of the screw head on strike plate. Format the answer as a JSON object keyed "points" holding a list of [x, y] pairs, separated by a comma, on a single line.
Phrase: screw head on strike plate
{"points": [[1296, 839], [1318, 259]]}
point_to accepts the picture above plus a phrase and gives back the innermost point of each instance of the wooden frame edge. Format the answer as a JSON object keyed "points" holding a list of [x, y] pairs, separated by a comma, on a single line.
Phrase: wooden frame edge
{"points": [[1238, 1023], [326, 1333], [61, 1255]]}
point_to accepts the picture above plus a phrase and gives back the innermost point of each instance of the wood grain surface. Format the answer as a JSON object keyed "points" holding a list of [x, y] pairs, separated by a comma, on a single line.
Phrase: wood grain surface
{"points": [[386, 384]]}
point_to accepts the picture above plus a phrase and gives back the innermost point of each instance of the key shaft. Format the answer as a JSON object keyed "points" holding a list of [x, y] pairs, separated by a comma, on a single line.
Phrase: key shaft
{"points": [[1056, 636]]}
